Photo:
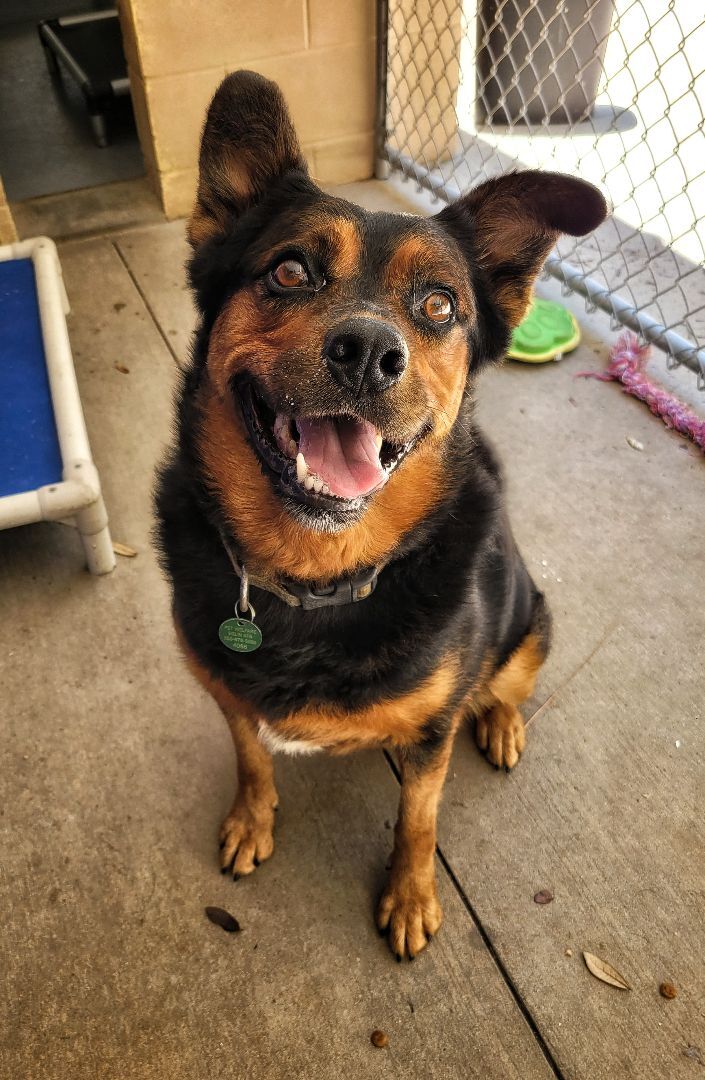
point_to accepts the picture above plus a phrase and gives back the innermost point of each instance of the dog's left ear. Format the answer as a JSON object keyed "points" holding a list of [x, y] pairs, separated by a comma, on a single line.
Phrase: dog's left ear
{"points": [[248, 142], [508, 225]]}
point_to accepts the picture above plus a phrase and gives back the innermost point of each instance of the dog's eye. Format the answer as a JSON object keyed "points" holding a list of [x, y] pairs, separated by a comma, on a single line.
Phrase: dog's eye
{"points": [[438, 307], [290, 274]]}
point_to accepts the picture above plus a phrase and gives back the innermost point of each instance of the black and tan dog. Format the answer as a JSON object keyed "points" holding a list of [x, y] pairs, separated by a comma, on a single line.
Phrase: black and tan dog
{"points": [[327, 458]]}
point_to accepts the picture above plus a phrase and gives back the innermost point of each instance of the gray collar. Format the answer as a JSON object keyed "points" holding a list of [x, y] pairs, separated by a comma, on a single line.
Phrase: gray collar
{"points": [[345, 590]]}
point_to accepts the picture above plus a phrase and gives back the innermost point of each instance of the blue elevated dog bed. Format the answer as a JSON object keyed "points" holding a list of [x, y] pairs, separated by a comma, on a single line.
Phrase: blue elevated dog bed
{"points": [[30, 455], [46, 469]]}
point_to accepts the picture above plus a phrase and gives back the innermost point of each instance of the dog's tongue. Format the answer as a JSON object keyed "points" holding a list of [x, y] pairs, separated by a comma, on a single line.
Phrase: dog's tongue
{"points": [[343, 452]]}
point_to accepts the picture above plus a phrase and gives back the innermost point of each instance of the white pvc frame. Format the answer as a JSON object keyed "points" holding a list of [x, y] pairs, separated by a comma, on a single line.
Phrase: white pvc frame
{"points": [[78, 494]]}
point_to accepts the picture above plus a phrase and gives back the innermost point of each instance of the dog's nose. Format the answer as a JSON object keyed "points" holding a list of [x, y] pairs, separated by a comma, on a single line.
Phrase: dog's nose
{"points": [[366, 356]]}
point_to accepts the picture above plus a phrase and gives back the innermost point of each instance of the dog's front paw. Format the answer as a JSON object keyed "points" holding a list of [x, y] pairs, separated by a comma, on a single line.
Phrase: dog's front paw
{"points": [[500, 734], [411, 914], [246, 835]]}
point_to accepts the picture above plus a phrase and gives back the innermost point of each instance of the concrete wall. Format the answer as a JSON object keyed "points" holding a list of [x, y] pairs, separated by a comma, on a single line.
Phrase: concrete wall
{"points": [[321, 52], [8, 233]]}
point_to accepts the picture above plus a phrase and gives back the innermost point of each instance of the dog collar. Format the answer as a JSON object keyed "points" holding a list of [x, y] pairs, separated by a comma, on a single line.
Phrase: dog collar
{"points": [[345, 590]]}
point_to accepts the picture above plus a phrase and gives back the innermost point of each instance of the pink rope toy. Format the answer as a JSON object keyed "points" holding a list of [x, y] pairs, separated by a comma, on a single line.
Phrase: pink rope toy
{"points": [[626, 364]]}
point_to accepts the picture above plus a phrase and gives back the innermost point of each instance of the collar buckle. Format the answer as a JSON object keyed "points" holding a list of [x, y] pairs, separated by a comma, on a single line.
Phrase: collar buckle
{"points": [[337, 593]]}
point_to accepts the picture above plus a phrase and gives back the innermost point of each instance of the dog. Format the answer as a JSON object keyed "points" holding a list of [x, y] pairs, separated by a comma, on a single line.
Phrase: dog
{"points": [[331, 519]]}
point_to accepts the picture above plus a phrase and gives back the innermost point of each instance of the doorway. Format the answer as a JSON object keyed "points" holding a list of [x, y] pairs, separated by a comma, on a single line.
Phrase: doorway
{"points": [[48, 141]]}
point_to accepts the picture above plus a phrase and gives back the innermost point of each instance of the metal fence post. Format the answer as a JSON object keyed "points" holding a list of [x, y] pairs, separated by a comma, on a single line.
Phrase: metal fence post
{"points": [[382, 168]]}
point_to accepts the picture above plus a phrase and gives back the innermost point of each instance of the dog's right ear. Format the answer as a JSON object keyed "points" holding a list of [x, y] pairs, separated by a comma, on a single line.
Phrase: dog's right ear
{"points": [[248, 141]]}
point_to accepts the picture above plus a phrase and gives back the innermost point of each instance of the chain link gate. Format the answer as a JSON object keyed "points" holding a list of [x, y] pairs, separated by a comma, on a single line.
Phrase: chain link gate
{"points": [[609, 90]]}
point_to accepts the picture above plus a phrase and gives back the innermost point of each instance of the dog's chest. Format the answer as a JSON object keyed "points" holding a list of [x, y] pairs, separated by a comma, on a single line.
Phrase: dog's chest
{"points": [[394, 721]]}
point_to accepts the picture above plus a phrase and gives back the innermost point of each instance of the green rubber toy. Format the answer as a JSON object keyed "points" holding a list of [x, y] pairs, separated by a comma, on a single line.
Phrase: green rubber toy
{"points": [[546, 332]]}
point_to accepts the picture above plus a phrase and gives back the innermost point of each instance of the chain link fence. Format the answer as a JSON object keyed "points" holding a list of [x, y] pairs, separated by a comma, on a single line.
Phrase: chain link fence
{"points": [[610, 90]]}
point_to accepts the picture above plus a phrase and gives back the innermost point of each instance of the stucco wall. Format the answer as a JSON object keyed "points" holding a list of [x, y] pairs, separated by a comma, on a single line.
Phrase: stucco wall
{"points": [[321, 52]]}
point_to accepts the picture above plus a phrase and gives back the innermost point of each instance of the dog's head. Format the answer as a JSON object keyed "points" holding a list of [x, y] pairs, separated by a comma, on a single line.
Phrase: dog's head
{"points": [[345, 340]]}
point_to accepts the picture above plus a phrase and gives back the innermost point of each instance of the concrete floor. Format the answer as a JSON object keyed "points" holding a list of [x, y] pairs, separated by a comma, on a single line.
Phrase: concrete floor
{"points": [[116, 770]]}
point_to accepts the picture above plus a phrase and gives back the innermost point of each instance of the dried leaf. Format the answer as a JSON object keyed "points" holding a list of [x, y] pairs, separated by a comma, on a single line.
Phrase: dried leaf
{"points": [[123, 549], [605, 972], [223, 919], [543, 897]]}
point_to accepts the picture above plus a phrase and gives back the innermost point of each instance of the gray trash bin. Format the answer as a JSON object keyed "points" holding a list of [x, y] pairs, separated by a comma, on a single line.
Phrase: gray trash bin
{"points": [[523, 58]]}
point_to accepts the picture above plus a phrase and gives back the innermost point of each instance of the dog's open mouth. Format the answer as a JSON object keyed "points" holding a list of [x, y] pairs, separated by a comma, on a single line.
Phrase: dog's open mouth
{"points": [[328, 462]]}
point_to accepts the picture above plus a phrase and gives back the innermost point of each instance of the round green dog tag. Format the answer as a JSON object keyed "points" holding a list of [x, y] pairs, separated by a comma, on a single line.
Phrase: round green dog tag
{"points": [[240, 635]]}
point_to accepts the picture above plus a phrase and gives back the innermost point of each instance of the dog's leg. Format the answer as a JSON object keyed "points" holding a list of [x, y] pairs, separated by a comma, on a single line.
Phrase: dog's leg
{"points": [[500, 733], [500, 729], [409, 907], [246, 835]]}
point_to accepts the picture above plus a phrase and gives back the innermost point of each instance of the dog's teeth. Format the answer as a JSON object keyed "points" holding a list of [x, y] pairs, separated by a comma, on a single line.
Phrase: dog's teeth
{"points": [[318, 485], [309, 482], [325, 489], [301, 468]]}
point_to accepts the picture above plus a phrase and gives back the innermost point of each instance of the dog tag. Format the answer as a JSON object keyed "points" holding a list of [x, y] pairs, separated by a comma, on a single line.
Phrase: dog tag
{"points": [[240, 635]]}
